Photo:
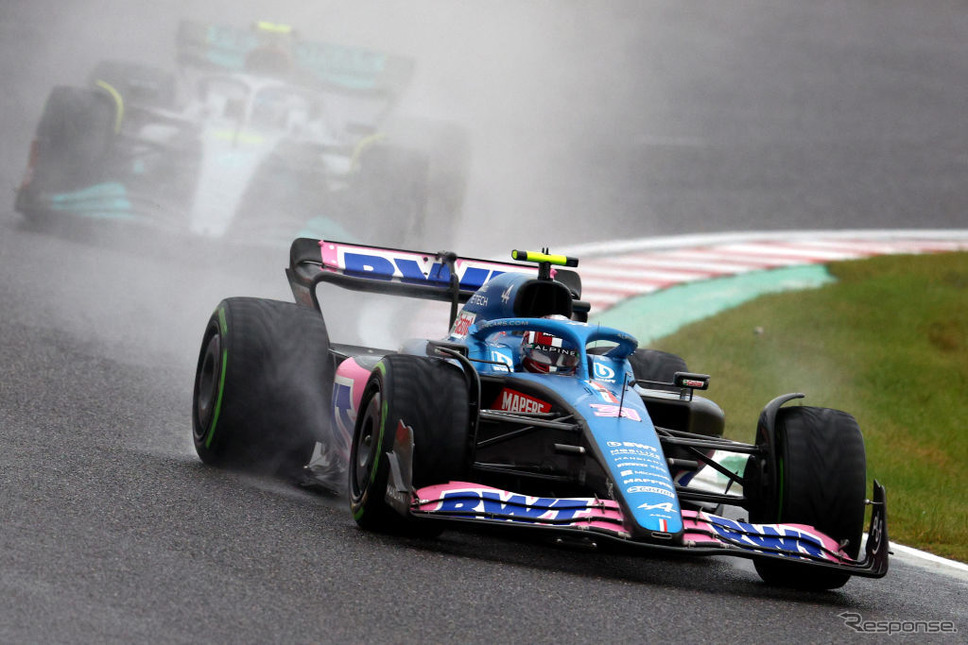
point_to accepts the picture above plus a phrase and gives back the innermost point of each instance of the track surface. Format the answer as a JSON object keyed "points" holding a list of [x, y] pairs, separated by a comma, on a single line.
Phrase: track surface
{"points": [[706, 117]]}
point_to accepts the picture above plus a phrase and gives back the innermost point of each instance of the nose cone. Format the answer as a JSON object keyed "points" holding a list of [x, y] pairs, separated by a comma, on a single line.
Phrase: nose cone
{"points": [[229, 162]]}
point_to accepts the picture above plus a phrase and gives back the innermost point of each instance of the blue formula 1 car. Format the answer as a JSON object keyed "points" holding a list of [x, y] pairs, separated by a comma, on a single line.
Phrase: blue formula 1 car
{"points": [[524, 415], [258, 136]]}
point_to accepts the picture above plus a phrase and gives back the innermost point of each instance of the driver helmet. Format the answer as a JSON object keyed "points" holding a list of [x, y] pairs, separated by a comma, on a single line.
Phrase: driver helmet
{"points": [[548, 354]]}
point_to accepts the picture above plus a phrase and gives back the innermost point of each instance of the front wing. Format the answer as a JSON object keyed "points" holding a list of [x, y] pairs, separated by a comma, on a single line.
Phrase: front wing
{"points": [[703, 534], [107, 200]]}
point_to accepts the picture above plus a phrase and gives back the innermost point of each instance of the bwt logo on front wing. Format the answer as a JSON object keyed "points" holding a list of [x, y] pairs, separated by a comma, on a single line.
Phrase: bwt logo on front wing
{"points": [[512, 506], [773, 537]]}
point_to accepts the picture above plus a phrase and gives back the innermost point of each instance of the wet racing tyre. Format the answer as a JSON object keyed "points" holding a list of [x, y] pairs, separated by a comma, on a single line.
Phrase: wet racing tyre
{"points": [[430, 397], [821, 482], [655, 365], [137, 84], [391, 192], [263, 386]]}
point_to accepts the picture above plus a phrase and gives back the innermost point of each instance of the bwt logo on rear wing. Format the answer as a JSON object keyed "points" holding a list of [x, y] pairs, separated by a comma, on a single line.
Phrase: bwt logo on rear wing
{"points": [[375, 269], [411, 267]]}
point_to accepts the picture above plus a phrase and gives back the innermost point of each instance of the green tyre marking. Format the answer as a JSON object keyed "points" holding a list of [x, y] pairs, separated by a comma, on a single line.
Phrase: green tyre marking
{"points": [[223, 328], [383, 422], [376, 462], [218, 401]]}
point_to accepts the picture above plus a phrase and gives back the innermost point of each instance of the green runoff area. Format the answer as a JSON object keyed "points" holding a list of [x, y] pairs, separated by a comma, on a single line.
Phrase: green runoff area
{"points": [[884, 338]]}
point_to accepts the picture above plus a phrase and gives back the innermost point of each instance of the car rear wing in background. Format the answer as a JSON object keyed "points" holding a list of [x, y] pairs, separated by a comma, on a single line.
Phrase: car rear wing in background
{"points": [[432, 276], [268, 47]]}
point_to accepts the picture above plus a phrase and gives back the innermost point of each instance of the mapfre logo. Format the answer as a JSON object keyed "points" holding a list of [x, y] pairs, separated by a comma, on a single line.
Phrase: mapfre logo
{"points": [[513, 401]]}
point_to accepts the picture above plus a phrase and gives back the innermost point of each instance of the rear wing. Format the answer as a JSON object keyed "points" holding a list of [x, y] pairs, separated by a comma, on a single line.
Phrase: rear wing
{"points": [[277, 49], [413, 274], [431, 276]]}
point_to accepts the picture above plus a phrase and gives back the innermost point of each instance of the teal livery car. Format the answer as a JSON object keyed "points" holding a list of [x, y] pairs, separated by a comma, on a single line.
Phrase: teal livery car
{"points": [[258, 136]]}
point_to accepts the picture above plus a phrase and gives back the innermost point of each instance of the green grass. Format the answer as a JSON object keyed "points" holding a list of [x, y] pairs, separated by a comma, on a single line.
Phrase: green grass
{"points": [[887, 342]]}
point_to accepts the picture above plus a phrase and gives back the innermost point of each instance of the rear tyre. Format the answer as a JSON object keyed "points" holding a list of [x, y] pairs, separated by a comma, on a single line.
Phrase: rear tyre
{"points": [[447, 149], [391, 193], [655, 365], [138, 84], [821, 481], [430, 397], [262, 386]]}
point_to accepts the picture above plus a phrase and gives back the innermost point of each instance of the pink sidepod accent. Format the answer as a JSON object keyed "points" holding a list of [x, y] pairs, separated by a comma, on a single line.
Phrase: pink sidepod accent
{"points": [[348, 385], [349, 371]]}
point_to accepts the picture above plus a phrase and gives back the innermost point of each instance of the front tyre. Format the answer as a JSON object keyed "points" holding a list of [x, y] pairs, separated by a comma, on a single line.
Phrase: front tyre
{"points": [[821, 481], [69, 150], [428, 396], [262, 386]]}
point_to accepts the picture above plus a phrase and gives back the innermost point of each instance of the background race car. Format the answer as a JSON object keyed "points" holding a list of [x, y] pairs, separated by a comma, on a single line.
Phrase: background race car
{"points": [[257, 137], [523, 416]]}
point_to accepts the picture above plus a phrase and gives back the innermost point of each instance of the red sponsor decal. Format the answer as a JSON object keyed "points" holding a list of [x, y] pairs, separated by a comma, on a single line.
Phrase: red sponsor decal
{"points": [[462, 324], [514, 401]]}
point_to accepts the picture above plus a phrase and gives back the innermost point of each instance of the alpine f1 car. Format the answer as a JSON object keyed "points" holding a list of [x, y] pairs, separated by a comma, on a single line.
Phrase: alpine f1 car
{"points": [[260, 136], [524, 415]]}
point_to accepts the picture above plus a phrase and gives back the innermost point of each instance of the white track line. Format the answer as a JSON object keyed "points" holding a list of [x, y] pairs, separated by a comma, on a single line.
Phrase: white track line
{"points": [[931, 561]]}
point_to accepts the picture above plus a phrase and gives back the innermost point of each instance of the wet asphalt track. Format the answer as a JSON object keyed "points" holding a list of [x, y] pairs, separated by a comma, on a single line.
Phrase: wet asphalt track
{"points": [[841, 115]]}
